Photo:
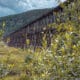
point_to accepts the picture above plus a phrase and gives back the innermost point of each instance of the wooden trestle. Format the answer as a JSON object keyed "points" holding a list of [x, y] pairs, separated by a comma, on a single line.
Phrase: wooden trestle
{"points": [[33, 32]]}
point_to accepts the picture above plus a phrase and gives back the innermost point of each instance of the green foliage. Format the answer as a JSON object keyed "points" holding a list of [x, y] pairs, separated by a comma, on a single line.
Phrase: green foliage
{"points": [[1, 33], [2, 28]]}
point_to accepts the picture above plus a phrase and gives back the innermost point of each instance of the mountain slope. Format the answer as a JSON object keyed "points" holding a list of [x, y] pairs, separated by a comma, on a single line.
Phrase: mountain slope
{"points": [[15, 22]]}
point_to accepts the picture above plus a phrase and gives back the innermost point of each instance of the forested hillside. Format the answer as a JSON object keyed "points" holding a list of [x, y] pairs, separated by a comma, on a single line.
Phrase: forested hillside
{"points": [[15, 22], [60, 62]]}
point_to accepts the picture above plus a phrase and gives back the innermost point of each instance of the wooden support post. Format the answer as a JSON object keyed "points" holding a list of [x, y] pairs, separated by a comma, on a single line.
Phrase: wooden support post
{"points": [[35, 39], [48, 38], [39, 39], [18, 39]]}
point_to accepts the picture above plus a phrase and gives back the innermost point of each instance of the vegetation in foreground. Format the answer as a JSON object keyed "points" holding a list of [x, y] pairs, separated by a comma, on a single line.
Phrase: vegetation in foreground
{"points": [[60, 62]]}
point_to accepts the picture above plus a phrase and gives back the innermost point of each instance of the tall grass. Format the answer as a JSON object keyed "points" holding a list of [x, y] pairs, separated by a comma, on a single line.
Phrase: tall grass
{"points": [[59, 62]]}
